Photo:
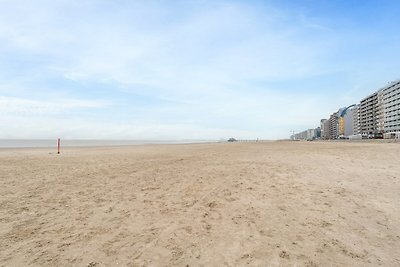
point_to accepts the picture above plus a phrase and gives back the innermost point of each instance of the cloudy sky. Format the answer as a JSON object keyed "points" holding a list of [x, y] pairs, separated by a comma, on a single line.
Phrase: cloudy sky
{"points": [[188, 69]]}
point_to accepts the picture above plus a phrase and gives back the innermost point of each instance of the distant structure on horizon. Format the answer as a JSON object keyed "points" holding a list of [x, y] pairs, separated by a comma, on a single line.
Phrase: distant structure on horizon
{"points": [[377, 116], [310, 134]]}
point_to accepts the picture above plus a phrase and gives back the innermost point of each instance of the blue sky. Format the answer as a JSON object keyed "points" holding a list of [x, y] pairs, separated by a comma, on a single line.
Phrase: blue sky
{"points": [[188, 69]]}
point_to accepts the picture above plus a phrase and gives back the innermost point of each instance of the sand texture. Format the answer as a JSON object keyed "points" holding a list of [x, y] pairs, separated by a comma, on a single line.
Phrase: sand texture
{"points": [[228, 204]]}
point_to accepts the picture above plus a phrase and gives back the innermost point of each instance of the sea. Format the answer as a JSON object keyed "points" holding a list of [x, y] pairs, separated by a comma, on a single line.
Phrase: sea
{"points": [[32, 143]]}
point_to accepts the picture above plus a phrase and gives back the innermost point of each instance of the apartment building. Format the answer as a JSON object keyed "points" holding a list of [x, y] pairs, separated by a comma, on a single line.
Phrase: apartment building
{"points": [[391, 110], [349, 122], [356, 120], [323, 129], [333, 126], [372, 114], [327, 130]]}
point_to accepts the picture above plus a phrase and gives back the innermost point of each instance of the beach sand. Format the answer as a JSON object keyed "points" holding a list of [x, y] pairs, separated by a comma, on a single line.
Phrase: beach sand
{"points": [[223, 204]]}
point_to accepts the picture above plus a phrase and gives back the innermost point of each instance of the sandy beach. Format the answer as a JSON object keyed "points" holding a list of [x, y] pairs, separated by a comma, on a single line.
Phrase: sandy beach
{"points": [[224, 204]]}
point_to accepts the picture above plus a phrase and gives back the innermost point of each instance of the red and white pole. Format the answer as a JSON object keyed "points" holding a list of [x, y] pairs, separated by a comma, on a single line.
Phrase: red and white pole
{"points": [[58, 146]]}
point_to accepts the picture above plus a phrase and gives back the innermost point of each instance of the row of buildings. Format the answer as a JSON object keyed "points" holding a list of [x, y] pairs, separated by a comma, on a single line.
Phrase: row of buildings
{"points": [[309, 134], [376, 116]]}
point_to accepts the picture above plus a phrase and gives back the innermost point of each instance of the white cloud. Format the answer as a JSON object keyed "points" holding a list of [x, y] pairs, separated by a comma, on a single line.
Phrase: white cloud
{"points": [[14, 105]]}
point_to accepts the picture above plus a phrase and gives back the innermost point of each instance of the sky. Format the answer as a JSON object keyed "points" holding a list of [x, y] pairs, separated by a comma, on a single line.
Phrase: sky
{"points": [[169, 70]]}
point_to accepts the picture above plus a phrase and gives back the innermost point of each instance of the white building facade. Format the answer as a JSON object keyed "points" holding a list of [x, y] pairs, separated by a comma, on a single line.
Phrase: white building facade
{"points": [[349, 122], [391, 103], [372, 114]]}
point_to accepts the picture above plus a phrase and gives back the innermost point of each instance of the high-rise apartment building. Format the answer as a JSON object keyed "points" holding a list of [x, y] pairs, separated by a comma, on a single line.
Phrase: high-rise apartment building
{"points": [[349, 122], [322, 125], [333, 126], [371, 108], [380, 113], [391, 103], [327, 129], [356, 120]]}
